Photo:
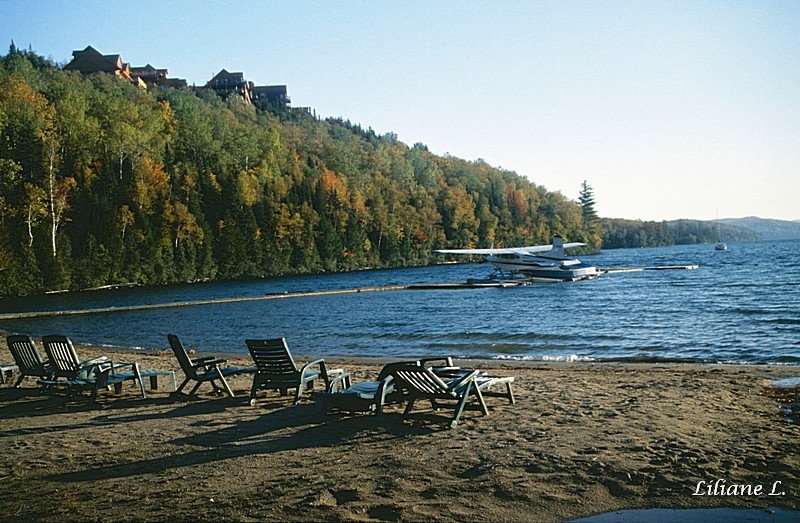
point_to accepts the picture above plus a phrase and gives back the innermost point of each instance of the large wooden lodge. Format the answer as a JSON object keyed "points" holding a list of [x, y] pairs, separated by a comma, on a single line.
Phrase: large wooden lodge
{"points": [[224, 83]]}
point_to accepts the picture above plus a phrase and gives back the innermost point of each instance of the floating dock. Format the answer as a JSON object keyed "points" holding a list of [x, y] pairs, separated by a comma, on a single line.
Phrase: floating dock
{"points": [[489, 283], [611, 270], [195, 303], [468, 284]]}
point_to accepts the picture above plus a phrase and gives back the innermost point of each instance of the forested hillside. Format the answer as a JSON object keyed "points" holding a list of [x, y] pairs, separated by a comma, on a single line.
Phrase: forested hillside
{"points": [[102, 183], [621, 233], [768, 229]]}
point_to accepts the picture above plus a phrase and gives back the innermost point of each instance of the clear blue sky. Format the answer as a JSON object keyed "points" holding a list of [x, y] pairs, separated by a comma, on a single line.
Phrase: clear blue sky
{"points": [[669, 109]]}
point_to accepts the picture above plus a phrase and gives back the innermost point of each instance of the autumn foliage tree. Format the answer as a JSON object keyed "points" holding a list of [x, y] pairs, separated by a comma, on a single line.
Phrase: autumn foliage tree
{"points": [[102, 183]]}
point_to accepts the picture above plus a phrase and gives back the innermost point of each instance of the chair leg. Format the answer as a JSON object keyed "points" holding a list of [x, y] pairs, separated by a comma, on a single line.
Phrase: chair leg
{"points": [[185, 382], [93, 396], [306, 386], [19, 380], [298, 393], [510, 394], [194, 389], [482, 402], [380, 398], [461, 404], [138, 374], [225, 385], [409, 406], [253, 390]]}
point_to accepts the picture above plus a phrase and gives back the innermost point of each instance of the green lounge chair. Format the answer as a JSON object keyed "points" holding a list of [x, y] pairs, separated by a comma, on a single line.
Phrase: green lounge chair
{"points": [[94, 374], [277, 369], [28, 359], [207, 369], [422, 383], [372, 396]]}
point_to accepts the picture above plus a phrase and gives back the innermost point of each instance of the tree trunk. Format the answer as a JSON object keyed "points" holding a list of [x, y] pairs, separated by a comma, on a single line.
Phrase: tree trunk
{"points": [[51, 176]]}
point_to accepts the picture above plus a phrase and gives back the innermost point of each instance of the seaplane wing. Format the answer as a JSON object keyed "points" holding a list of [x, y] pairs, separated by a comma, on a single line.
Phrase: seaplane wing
{"points": [[510, 250], [545, 248], [483, 252]]}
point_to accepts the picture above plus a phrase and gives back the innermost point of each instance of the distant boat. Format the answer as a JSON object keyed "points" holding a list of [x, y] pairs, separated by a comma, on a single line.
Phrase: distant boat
{"points": [[721, 245]]}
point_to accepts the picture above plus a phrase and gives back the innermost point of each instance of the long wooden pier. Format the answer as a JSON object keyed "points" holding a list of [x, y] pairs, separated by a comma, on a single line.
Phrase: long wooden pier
{"points": [[611, 270], [194, 303]]}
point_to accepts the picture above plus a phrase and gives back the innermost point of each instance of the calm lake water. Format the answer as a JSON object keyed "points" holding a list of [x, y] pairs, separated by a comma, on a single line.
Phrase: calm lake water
{"points": [[740, 305]]}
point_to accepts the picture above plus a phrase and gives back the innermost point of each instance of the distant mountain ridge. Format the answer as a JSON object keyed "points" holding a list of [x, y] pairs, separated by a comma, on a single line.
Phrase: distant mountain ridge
{"points": [[767, 228]]}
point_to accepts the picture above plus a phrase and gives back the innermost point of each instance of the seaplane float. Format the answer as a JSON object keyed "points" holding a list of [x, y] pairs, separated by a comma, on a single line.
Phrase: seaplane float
{"points": [[535, 262]]}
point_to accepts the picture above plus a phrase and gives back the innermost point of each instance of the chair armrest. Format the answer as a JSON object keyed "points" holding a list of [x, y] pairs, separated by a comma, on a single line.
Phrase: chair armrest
{"points": [[339, 381], [322, 370], [450, 372], [101, 378], [93, 362], [113, 366], [320, 362], [208, 363], [457, 384], [384, 388], [446, 360], [98, 366], [197, 361]]}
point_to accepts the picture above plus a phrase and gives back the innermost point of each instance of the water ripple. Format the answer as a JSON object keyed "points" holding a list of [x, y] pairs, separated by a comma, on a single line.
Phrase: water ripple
{"points": [[735, 307]]}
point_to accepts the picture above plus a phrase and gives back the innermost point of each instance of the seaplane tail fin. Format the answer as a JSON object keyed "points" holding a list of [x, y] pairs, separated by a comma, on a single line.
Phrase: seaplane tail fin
{"points": [[557, 250]]}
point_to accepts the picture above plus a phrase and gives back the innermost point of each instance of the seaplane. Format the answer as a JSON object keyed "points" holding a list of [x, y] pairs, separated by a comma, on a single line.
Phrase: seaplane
{"points": [[535, 262]]}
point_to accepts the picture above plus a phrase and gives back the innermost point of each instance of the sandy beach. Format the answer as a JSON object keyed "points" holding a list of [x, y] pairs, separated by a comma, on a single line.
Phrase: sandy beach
{"points": [[582, 439]]}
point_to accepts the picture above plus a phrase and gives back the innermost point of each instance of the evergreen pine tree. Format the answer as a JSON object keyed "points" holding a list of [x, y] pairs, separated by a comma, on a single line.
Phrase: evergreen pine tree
{"points": [[591, 222], [587, 204]]}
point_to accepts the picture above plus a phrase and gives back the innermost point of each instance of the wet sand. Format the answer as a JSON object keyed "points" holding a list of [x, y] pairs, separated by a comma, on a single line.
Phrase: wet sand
{"points": [[582, 439]]}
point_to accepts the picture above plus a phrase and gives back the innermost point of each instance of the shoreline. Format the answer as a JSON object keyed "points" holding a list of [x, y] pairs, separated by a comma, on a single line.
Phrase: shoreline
{"points": [[634, 362], [582, 439], [490, 362]]}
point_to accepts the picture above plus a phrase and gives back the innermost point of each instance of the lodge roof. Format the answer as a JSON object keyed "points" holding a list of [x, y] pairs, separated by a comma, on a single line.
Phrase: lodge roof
{"points": [[90, 60]]}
